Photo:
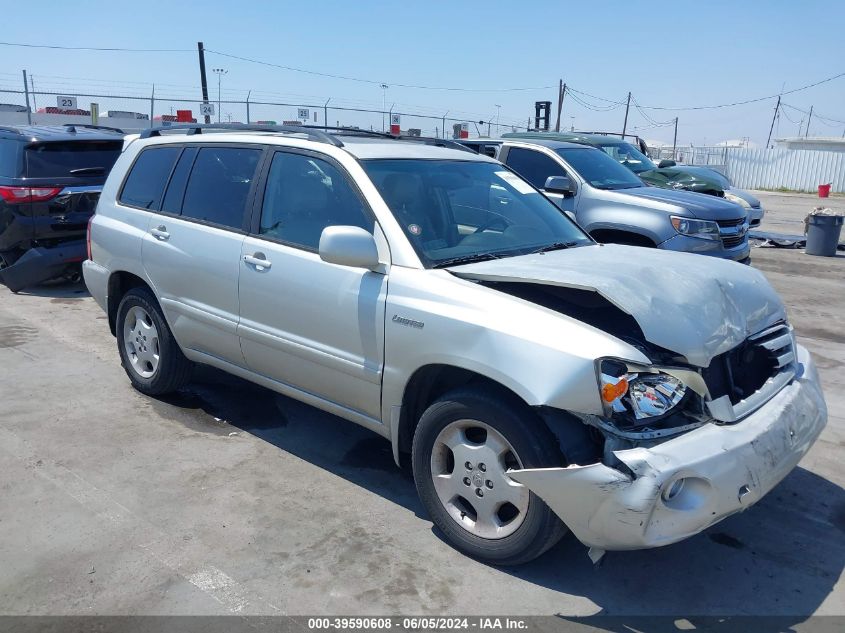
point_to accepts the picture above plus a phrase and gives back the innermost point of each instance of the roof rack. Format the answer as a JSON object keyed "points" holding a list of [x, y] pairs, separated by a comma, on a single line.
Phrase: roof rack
{"points": [[90, 126], [197, 128]]}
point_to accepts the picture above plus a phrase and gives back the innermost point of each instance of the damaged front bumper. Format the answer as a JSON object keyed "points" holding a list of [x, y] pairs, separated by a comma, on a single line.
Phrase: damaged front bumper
{"points": [[725, 469]]}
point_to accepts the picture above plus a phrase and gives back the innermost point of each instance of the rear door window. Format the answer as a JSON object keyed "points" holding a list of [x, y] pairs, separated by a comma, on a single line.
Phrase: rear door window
{"points": [[176, 189], [219, 185], [72, 159], [145, 184], [533, 166]]}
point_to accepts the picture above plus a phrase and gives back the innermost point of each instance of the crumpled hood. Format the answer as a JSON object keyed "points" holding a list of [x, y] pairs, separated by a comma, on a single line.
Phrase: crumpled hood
{"points": [[693, 305]]}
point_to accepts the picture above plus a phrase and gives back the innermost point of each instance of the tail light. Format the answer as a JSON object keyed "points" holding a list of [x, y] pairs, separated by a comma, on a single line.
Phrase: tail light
{"points": [[88, 237], [23, 195]]}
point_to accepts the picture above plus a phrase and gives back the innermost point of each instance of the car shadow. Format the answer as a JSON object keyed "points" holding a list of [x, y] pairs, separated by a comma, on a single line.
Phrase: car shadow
{"points": [[781, 558], [58, 289]]}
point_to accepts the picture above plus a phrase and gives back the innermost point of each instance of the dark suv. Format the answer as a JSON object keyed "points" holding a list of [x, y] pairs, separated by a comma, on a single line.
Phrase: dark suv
{"points": [[50, 181]]}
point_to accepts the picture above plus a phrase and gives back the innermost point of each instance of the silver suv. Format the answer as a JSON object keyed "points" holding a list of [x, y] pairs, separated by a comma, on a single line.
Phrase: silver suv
{"points": [[535, 380]]}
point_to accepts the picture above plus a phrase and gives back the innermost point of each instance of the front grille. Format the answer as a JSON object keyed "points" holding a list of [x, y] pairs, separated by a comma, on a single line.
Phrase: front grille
{"points": [[730, 223], [742, 371], [730, 242]]}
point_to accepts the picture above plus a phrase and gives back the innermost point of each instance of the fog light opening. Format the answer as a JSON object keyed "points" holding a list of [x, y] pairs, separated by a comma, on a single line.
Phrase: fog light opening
{"points": [[673, 490]]}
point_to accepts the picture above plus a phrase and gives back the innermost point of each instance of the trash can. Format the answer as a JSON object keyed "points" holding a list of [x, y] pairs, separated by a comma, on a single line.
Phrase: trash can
{"points": [[824, 190], [823, 234]]}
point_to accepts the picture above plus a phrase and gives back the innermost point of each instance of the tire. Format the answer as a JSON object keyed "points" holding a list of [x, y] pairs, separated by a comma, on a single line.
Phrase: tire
{"points": [[148, 352], [501, 433]]}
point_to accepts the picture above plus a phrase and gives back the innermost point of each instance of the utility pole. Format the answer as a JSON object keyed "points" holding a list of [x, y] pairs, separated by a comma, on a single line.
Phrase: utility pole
{"points": [[32, 85], [625, 124], [561, 93], [498, 112], [775, 116], [203, 82], [219, 72], [675, 140], [326, 113], [806, 132], [26, 91]]}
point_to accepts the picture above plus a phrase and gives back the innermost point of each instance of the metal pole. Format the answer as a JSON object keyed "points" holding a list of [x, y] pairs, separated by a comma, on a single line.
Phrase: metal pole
{"points": [[326, 112], [390, 117], [219, 80], [26, 92], [32, 84], [384, 88], [444, 124], [807, 131], [625, 124], [152, 104], [775, 116], [560, 94], [675, 141], [247, 106], [203, 81]]}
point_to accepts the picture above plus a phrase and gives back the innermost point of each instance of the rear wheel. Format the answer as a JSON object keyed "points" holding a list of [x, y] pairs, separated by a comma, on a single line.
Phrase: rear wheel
{"points": [[149, 353], [464, 446]]}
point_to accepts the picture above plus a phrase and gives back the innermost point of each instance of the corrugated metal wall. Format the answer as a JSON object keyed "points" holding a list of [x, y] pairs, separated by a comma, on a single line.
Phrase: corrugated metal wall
{"points": [[790, 168]]}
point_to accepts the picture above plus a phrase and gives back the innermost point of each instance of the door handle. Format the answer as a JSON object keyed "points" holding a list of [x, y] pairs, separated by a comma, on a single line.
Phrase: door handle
{"points": [[160, 233], [259, 260]]}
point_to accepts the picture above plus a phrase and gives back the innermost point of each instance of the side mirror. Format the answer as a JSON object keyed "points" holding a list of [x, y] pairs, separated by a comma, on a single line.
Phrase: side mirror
{"points": [[560, 184], [348, 246], [666, 163]]}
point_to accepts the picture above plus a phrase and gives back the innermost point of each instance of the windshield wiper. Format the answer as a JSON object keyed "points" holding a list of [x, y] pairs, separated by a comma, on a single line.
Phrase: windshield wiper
{"points": [[555, 246], [87, 170], [465, 259]]}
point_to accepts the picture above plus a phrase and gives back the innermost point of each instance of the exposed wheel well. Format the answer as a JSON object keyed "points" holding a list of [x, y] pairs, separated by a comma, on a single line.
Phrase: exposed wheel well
{"points": [[429, 383], [616, 236], [120, 283]]}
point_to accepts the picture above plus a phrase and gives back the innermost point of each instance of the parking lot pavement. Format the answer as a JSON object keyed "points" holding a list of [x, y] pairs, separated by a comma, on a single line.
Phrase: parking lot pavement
{"points": [[785, 212], [228, 498]]}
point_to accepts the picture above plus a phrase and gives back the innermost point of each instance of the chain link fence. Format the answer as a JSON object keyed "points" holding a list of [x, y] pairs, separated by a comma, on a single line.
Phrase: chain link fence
{"points": [[133, 113]]}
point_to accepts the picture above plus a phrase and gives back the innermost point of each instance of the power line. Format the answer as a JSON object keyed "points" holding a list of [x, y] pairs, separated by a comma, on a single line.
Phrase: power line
{"points": [[95, 48], [371, 81], [736, 103]]}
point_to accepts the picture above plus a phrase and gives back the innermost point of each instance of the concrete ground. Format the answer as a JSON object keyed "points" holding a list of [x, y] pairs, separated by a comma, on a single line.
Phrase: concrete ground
{"points": [[228, 498]]}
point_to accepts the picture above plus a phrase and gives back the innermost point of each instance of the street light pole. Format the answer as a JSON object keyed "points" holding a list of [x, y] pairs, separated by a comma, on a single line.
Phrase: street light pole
{"points": [[384, 88], [219, 72], [498, 112]]}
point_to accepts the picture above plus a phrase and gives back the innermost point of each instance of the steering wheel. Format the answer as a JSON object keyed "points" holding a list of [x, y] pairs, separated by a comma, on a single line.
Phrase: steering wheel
{"points": [[498, 220]]}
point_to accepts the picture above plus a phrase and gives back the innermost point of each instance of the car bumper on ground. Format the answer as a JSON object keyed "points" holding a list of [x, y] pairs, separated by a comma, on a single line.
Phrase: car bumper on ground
{"points": [[726, 469], [40, 264], [714, 248]]}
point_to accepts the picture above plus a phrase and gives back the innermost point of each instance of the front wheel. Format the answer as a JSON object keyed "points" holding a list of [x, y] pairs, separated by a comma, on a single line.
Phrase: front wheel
{"points": [[464, 446], [149, 353]]}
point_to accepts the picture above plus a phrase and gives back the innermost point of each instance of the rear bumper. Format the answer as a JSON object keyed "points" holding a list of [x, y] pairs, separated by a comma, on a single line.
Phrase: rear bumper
{"points": [[726, 469], [40, 264], [714, 248], [97, 281]]}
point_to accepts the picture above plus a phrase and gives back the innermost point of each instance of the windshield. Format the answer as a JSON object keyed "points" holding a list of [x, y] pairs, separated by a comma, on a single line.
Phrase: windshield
{"points": [[460, 211], [629, 156], [599, 169]]}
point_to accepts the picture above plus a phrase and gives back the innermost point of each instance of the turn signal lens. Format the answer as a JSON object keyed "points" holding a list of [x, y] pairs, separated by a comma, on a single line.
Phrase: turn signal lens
{"points": [[611, 392]]}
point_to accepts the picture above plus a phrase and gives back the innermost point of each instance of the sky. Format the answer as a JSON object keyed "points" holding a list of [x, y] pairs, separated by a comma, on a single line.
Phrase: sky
{"points": [[475, 60]]}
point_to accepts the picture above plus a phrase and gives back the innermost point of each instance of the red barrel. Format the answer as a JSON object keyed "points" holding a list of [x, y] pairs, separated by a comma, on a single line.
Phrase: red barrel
{"points": [[824, 190]]}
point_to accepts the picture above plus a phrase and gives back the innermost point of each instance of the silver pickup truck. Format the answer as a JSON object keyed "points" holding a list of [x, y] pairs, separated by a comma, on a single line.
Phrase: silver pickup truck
{"points": [[614, 205], [534, 379]]}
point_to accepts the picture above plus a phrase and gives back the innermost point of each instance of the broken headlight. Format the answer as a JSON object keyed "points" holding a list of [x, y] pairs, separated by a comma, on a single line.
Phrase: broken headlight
{"points": [[641, 395]]}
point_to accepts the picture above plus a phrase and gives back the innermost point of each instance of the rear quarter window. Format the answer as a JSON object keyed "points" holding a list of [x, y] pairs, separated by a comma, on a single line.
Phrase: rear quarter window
{"points": [[72, 159], [144, 186], [11, 158]]}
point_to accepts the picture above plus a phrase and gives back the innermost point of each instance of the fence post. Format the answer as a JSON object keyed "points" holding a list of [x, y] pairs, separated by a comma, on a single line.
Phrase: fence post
{"points": [[444, 124], [247, 106], [152, 104], [26, 92], [326, 113]]}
